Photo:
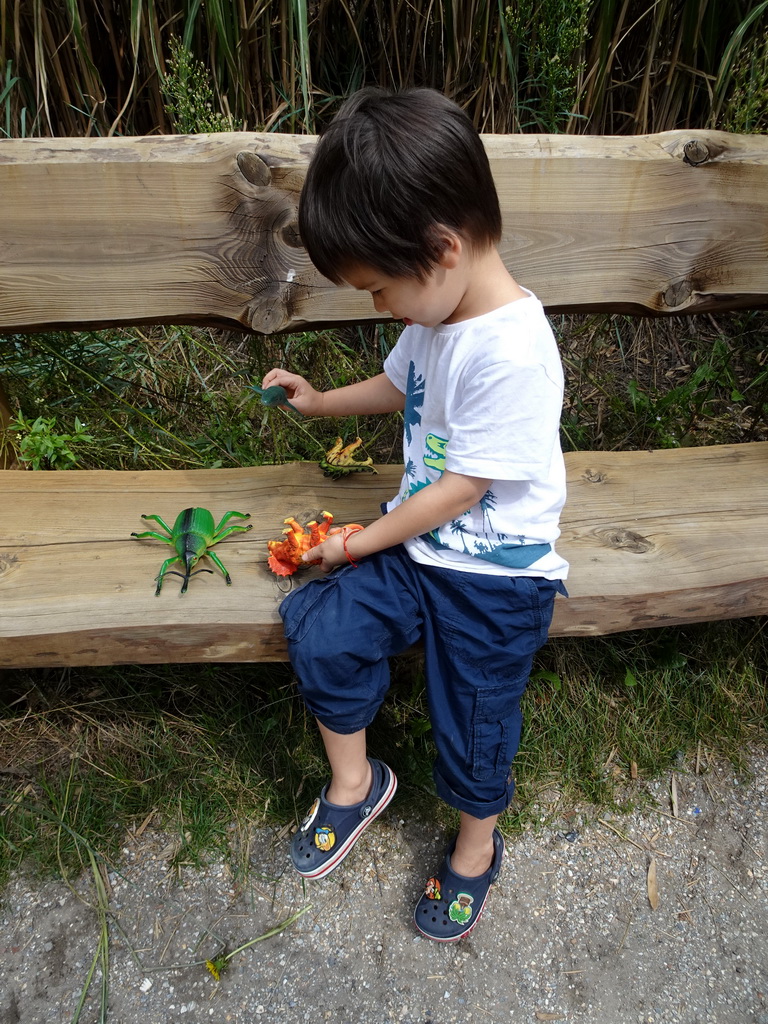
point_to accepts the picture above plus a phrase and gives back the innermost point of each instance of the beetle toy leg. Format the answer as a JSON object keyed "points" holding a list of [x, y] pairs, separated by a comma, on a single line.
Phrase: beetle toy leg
{"points": [[219, 533], [225, 519], [218, 562], [226, 533], [157, 519], [164, 570], [151, 533]]}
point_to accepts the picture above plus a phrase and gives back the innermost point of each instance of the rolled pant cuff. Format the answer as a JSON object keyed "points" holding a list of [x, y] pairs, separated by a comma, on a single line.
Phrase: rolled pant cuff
{"points": [[342, 728], [478, 809]]}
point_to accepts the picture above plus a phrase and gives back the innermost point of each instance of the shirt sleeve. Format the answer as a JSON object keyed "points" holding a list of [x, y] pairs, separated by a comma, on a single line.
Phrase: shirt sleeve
{"points": [[396, 363]]}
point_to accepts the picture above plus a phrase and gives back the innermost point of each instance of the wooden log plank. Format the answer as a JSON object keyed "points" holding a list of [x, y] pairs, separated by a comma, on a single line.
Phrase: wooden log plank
{"points": [[654, 538], [665, 538], [202, 229], [75, 588]]}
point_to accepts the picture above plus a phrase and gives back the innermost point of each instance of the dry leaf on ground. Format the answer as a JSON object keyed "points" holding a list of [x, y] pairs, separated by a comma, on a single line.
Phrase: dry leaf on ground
{"points": [[653, 890]]}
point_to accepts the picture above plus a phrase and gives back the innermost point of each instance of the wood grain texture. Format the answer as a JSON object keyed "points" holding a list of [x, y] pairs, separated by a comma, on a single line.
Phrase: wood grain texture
{"points": [[654, 538], [202, 229]]}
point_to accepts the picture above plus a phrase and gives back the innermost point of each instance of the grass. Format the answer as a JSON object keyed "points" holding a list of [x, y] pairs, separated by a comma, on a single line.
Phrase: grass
{"points": [[207, 753], [106, 748], [635, 383], [607, 707], [179, 397]]}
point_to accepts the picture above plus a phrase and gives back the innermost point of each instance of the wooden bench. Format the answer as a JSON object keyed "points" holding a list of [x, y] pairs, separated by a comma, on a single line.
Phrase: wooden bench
{"points": [[202, 230]]}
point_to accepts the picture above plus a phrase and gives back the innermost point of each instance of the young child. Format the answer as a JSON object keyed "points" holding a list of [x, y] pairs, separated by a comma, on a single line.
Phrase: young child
{"points": [[399, 201]]}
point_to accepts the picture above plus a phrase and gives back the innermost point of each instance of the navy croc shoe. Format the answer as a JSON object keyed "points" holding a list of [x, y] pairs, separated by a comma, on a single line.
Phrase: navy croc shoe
{"points": [[329, 831], [452, 904]]}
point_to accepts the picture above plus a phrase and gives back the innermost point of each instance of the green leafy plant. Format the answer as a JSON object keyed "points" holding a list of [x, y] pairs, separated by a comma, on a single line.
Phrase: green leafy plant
{"points": [[43, 446], [6, 89], [672, 416], [550, 36], [188, 92], [747, 108]]}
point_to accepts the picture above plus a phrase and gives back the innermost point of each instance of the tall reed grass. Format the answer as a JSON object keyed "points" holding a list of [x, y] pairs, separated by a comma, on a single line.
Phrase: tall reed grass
{"points": [[88, 67]]}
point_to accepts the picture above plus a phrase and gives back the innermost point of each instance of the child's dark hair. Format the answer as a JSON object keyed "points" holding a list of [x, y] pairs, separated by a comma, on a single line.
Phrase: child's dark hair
{"points": [[389, 170]]}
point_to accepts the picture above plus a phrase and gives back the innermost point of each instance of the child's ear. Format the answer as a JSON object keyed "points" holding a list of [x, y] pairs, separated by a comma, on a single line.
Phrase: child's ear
{"points": [[447, 243], [451, 248]]}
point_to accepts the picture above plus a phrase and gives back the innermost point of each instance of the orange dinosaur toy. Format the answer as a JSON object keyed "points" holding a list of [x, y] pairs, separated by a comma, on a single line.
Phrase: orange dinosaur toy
{"points": [[285, 555]]}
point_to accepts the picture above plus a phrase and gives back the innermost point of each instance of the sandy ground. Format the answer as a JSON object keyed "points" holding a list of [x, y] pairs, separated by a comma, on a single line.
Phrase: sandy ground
{"points": [[570, 933]]}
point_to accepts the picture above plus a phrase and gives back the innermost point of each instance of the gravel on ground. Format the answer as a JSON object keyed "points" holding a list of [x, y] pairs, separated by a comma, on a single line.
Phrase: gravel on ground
{"points": [[599, 917]]}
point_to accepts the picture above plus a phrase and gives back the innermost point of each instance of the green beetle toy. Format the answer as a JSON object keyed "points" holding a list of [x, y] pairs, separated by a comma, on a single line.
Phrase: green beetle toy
{"points": [[193, 535]]}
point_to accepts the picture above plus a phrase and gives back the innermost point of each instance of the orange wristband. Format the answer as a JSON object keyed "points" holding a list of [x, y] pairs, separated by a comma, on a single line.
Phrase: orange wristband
{"points": [[346, 533]]}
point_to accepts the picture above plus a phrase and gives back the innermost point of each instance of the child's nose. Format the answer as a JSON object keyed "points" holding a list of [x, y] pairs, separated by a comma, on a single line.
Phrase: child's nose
{"points": [[379, 304]]}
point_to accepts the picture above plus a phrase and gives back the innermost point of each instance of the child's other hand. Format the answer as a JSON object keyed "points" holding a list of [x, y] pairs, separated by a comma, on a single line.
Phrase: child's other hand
{"points": [[302, 395], [329, 554]]}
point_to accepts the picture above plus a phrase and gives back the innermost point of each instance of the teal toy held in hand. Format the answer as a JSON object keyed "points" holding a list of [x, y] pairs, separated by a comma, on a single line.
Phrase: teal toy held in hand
{"points": [[274, 395], [193, 535]]}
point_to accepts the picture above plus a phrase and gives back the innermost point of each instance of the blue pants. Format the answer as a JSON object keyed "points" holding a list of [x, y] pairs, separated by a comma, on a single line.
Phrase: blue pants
{"points": [[479, 632]]}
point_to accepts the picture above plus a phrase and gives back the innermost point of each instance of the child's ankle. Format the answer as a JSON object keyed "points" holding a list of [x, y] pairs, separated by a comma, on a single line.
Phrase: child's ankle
{"points": [[350, 790], [472, 862]]}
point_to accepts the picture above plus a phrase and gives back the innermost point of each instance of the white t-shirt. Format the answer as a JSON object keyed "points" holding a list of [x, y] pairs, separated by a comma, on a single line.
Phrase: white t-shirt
{"points": [[483, 399]]}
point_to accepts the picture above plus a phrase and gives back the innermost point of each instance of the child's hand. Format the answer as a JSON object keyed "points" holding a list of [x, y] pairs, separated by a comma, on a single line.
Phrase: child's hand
{"points": [[329, 554], [302, 395], [334, 551]]}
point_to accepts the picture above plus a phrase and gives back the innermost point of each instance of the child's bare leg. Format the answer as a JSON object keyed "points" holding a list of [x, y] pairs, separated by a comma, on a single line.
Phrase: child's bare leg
{"points": [[351, 771], [474, 845]]}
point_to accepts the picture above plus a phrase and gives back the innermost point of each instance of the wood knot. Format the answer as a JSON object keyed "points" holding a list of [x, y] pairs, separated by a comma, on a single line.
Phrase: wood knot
{"points": [[290, 235], [254, 169], [677, 293], [593, 476], [264, 261], [624, 540], [696, 152], [7, 562]]}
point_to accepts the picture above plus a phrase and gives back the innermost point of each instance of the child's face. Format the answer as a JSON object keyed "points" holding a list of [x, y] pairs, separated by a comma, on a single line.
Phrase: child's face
{"points": [[429, 302]]}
